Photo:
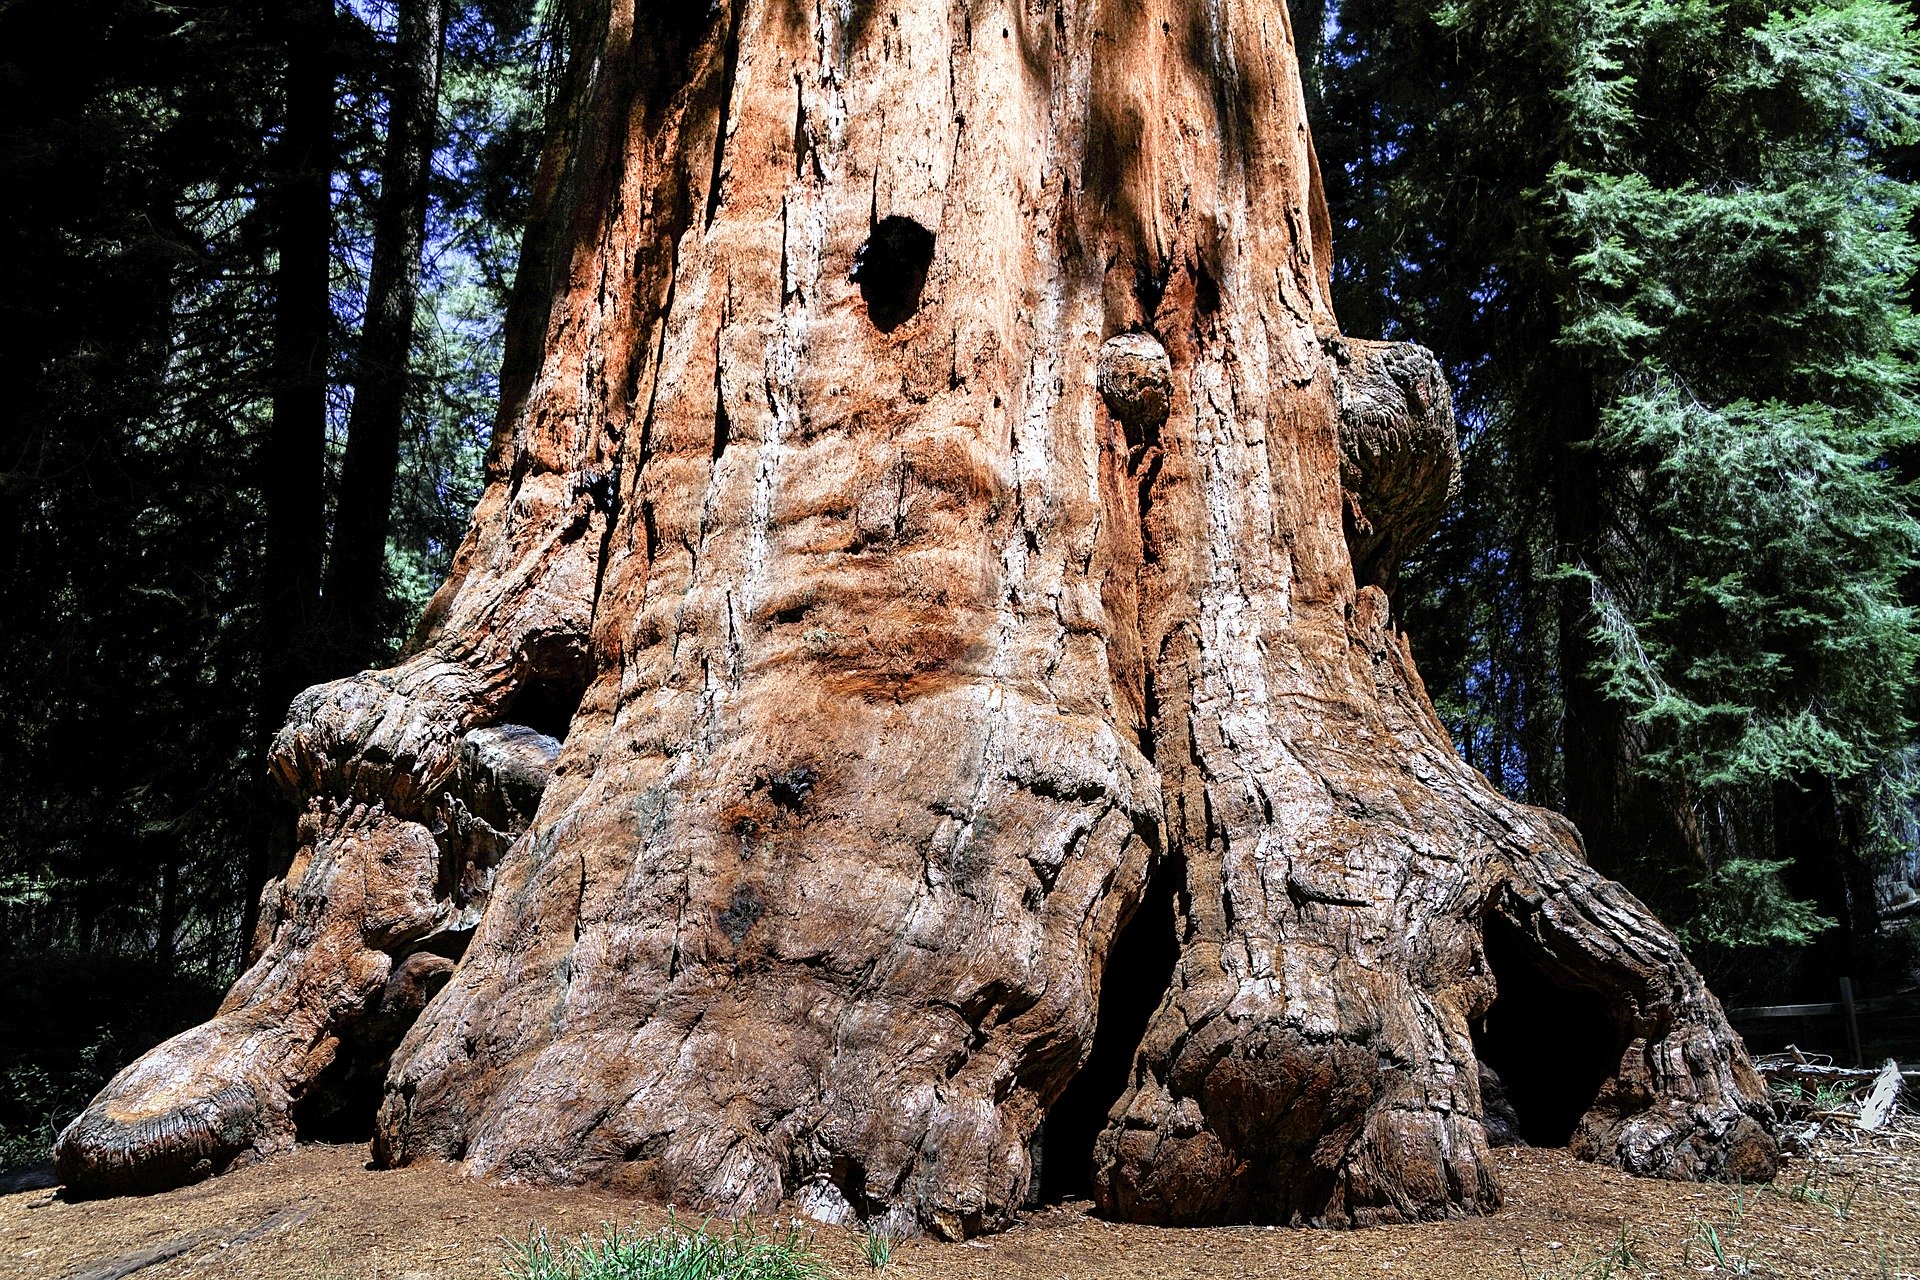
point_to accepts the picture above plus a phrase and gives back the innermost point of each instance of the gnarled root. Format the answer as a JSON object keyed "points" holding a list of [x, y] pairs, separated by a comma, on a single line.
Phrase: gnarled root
{"points": [[1685, 1101], [406, 811]]}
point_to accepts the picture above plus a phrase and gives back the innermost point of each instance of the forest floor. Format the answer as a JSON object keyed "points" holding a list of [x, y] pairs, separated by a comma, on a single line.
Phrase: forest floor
{"points": [[1849, 1208]]}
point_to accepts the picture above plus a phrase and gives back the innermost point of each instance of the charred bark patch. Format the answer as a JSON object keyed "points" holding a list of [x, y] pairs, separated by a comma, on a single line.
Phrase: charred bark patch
{"points": [[1150, 284], [891, 270], [790, 790], [741, 913]]}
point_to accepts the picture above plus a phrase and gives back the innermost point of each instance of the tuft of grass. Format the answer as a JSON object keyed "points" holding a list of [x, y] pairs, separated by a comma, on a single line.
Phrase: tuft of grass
{"points": [[1825, 1197], [1716, 1250], [1738, 1199], [1805, 1192], [1615, 1259], [1620, 1255], [876, 1249], [675, 1252]]}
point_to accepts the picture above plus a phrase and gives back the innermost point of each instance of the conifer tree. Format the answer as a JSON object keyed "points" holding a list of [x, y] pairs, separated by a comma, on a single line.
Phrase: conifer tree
{"points": [[142, 144], [1656, 240]]}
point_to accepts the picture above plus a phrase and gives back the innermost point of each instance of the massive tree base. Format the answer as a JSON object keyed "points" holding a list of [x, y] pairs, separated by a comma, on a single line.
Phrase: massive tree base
{"points": [[920, 700]]}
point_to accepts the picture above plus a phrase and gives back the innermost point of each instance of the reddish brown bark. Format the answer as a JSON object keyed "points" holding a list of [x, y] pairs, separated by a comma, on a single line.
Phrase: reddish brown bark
{"points": [[932, 487]]}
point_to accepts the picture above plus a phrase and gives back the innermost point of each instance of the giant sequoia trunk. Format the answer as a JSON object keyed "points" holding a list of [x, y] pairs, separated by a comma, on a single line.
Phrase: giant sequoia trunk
{"points": [[923, 670]]}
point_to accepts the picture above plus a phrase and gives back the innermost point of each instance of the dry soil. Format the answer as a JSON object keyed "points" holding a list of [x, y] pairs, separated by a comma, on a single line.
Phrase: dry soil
{"points": [[1849, 1208]]}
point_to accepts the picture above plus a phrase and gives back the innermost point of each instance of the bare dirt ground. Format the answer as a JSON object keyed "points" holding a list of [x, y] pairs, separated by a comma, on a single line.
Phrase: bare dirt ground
{"points": [[1850, 1208]]}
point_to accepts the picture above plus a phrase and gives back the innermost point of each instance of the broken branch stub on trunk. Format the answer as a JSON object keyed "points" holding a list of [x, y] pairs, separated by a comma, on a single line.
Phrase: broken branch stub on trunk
{"points": [[935, 507]]}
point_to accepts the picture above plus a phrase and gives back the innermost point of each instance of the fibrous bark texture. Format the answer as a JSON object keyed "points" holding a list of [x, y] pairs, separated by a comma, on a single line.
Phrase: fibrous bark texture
{"points": [[936, 508]]}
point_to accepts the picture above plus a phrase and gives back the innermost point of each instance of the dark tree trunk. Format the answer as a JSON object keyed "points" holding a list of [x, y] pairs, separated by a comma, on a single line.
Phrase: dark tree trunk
{"points": [[943, 516], [1809, 829], [293, 461], [293, 464], [1309, 32], [1593, 766], [1632, 823], [356, 595], [167, 923]]}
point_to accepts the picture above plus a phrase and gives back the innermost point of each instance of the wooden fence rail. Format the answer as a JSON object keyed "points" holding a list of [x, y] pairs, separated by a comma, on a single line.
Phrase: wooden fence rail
{"points": [[1848, 1009]]}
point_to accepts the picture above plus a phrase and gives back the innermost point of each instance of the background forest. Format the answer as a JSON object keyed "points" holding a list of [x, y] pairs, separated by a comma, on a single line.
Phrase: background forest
{"points": [[257, 264]]}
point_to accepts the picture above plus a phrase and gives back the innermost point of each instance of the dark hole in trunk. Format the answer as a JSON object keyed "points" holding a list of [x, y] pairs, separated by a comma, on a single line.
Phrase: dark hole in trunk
{"points": [[1549, 1044], [547, 702], [343, 1102], [891, 270], [1139, 971]]}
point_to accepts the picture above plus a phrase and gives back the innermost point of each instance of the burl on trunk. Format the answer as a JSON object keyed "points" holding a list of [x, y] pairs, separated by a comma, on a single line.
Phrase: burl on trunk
{"points": [[923, 667]]}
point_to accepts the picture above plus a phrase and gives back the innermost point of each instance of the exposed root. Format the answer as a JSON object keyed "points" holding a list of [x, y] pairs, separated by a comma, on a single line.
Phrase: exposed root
{"points": [[407, 812]]}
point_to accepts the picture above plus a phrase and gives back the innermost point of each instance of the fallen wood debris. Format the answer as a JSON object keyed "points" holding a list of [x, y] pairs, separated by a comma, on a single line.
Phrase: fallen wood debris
{"points": [[1880, 1102], [1796, 1066], [117, 1268], [1810, 1091], [126, 1264]]}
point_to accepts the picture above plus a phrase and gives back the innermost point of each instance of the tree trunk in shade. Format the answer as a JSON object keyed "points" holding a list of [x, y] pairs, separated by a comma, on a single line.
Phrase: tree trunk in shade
{"points": [[293, 456], [943, 545], [356, 563]]}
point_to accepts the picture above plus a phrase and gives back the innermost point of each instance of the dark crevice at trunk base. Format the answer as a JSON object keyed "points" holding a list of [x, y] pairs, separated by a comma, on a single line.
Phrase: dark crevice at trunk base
{"points": [[1548, 1048], [1139, 970], [344, 1099]]}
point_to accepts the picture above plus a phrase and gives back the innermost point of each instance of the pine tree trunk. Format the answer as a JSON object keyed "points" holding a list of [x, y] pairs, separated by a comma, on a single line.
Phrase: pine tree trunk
{"points": [[931, 519], [293, 460], [1631, 822], [293, 465], [356, 565]]}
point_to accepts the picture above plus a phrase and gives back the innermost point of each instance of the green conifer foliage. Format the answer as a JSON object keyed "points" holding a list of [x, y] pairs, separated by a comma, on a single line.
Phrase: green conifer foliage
{"points": [[1655, 241]]}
